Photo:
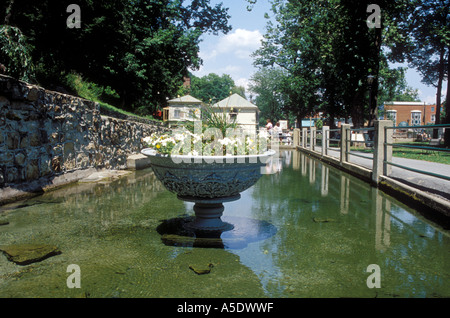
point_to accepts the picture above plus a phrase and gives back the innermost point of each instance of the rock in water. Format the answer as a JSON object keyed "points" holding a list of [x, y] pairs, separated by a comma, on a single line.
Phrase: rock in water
{"points": [[201, 270], [25, 254]]}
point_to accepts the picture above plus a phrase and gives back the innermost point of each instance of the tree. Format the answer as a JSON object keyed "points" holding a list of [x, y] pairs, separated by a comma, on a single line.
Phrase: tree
{"points": [[328, 51], [423, 40], [393, 85], [140, 48], [212, 88], [267, 85], [287, 46]]}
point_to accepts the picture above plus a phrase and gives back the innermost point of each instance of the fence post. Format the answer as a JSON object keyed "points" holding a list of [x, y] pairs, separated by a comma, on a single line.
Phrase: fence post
{"points": [[296, 137], [304, 135], [345, 130], [312, 138], [381, 152], [387, 168], [325, 141]]}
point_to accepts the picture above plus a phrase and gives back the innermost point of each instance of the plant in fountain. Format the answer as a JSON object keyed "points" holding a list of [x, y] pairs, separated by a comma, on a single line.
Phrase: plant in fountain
{"points": [[215, 135]]}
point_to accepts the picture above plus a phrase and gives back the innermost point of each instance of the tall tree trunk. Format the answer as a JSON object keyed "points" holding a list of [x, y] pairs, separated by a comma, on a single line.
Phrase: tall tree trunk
{"points": [[373, 112], [299, 121], [447, 104], [357, 111], [439, 90]]}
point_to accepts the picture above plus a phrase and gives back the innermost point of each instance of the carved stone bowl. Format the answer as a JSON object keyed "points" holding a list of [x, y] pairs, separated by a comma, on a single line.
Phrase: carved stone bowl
{"points": [[208, 181]]}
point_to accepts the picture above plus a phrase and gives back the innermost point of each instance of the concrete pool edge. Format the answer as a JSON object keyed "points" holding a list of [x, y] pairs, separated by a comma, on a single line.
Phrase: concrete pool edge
{"points": [[22, 191], [34, 188]]}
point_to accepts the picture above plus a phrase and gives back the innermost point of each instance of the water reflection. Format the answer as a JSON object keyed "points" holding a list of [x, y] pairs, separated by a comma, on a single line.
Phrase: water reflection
{"points": [[95, 203], [331, 226], [245, 231], [382, 218]]}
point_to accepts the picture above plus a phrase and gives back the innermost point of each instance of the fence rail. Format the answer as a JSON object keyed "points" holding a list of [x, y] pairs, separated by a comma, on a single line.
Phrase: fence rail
{"points": [[382, 145]]}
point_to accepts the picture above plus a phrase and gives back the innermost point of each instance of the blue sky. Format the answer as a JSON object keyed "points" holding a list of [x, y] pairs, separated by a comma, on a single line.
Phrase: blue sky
{"points": [[230, 54]]}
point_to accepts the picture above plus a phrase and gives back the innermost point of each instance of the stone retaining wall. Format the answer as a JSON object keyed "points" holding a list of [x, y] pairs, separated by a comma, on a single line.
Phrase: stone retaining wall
{"points": [[44, 134]]}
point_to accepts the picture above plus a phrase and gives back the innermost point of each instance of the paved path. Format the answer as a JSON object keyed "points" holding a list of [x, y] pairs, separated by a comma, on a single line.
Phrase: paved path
{"points": [[434, 185]]}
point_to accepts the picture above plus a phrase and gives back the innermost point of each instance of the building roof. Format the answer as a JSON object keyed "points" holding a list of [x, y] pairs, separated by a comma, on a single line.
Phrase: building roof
{"points": [[235, 101], [404, 103], [188, 99]]}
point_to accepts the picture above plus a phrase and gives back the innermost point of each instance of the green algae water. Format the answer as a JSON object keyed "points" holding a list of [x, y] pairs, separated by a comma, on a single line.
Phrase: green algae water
{"points": [[304, 230]]}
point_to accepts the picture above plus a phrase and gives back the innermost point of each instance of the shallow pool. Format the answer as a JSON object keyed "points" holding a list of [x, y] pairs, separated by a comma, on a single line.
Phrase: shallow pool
{"points": [[304, 230]]}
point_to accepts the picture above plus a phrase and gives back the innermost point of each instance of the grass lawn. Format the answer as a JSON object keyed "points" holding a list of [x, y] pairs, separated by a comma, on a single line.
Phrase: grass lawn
{"points": [[417, 154]]}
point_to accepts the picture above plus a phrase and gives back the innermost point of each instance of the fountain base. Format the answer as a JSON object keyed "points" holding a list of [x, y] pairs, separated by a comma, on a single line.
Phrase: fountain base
{"points": [[208, 213]]}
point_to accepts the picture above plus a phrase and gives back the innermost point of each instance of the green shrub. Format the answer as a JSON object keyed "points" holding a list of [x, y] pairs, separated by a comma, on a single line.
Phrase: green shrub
{"points": [[15, 54]]}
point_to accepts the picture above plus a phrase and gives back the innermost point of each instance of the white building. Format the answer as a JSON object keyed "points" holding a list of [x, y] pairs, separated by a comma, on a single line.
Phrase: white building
{"points": [[245, 113], [181, 109]]}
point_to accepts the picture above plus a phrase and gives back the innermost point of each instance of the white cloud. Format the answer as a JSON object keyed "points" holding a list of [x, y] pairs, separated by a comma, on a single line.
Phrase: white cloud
{"points": [[431, 99], [241, 43], [230, 69], [208, 55], [242, 82], [230, 54]]}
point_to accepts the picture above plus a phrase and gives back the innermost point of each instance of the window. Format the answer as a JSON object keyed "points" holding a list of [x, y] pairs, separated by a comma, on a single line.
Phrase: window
{"points": [[392, 115], [176, 113], [433, 118], [416, 117]]}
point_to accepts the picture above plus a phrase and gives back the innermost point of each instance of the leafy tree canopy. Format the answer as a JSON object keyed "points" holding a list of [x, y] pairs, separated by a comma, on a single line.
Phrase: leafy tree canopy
{"points": [[212, 88], [140, 48]]}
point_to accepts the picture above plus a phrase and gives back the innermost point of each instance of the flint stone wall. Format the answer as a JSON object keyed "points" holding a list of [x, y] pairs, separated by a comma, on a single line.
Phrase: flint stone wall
{"points": [[44, 134]]}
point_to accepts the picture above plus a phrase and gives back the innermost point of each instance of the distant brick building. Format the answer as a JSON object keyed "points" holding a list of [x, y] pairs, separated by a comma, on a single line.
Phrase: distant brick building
{"points": [[410, 113]]}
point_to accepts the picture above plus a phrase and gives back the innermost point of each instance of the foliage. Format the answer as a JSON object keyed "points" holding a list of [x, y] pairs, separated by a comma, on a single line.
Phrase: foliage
{"points": [[212, 88], [211, 118], [77, 86], [15, 53], [423, 40], [327, 51], [215, 134], [141, 49], [212, 134], [393, 86], [88, 90], [218, 118], [267, 85]]}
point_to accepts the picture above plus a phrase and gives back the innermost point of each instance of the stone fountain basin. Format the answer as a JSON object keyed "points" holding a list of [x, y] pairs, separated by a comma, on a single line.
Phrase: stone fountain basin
{"points": [[208, 181], [207, 177]]}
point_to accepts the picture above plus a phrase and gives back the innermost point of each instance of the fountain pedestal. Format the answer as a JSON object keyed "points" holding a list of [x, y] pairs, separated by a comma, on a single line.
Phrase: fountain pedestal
{"points": [[208, 213]]}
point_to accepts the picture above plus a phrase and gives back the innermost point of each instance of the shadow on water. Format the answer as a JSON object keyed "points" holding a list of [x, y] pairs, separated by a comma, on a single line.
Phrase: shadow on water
{"points": [[174, 233]]}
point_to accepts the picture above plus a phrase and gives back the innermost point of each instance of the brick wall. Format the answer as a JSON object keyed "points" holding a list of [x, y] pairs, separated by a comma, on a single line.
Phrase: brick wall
{"points": [[403, 112]]}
